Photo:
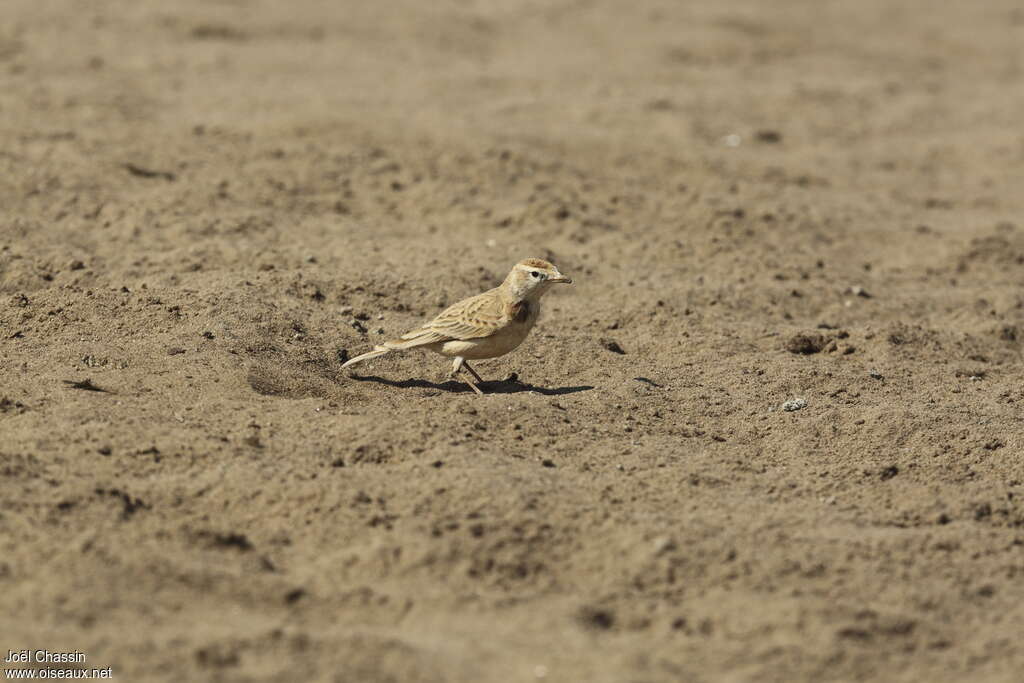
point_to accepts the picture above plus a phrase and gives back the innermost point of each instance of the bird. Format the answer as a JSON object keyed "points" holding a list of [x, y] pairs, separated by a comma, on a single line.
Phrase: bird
{"points": [[487, 325]]}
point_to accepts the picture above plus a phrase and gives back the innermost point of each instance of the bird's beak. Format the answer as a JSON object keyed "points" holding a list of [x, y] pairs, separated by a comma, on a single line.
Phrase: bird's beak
{"points": [[561, 278]]}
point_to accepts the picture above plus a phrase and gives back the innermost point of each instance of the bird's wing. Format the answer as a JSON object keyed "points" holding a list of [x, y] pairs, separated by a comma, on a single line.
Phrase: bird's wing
{"points": [[473, 318]]}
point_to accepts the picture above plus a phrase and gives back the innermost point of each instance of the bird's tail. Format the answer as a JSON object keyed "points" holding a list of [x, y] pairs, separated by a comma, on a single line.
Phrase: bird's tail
{"points": [[377, 351], [418, 337]]}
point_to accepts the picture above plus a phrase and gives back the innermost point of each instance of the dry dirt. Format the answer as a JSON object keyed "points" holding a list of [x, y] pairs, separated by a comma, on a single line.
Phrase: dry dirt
{"points": [[205, 205]]}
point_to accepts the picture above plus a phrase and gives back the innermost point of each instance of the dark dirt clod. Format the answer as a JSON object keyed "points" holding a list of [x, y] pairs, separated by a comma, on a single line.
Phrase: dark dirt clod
{"points": [[8, 405], [143, 172], [597, 618], [229, 539], [889, 472], [217, 657], [806, 343], [612, 346], [130, 504]]}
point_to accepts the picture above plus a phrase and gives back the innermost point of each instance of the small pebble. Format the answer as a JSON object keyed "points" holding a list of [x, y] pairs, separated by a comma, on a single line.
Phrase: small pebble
{"points": [[794, 404], [875, 374]]}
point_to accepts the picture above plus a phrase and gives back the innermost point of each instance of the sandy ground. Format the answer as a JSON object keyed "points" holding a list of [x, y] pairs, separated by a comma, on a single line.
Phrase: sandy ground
{"points": [[205, 205]]}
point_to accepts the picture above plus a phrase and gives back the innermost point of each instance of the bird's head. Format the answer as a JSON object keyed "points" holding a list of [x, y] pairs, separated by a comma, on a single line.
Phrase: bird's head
{"points": [[531, 277]]}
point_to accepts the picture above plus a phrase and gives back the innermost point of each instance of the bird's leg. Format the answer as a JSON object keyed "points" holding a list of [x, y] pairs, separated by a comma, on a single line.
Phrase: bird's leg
{"points": [[460, 363], [472, 371], [473, 386]]}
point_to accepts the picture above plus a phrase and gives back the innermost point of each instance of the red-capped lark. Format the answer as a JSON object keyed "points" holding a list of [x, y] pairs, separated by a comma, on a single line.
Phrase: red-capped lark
{"points": [[487, 325]]}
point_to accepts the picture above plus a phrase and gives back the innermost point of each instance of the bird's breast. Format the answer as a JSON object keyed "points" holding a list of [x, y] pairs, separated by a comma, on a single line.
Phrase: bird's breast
{"points": [[519, 312]]}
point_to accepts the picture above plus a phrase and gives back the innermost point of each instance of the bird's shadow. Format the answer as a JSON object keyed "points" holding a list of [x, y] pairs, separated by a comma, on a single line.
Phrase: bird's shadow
{"points": [[456, 387]]}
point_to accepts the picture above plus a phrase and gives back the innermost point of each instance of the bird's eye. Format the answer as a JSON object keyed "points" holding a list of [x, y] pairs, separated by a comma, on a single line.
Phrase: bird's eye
{"points": [[534, 273]]}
